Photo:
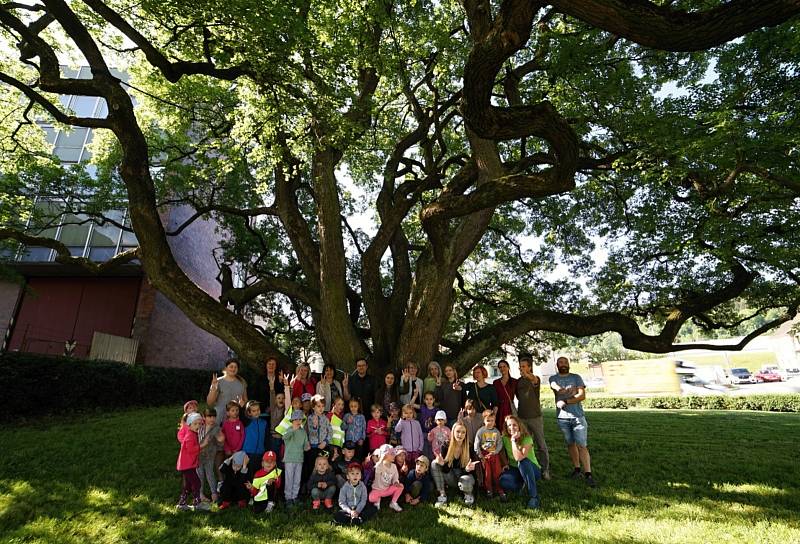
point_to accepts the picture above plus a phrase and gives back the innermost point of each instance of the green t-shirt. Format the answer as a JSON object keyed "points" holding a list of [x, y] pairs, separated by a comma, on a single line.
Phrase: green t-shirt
{"points": [[510, 452]]}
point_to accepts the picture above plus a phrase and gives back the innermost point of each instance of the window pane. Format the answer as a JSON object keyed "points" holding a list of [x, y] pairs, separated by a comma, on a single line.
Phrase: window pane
{"points": [[128, 238], [50, 134], [84, 106], [36, 254], [70, 144], [74, 236], [104, 237]]}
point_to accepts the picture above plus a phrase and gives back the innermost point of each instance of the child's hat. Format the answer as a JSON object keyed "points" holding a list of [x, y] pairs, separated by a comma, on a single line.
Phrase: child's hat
{"points": [[441, 415], [269, 456], [297, 414], [424, 461], [251, 403], [194, 416], [399, 449], [349, 445], [238, 458], [189, 403], [384, 450], [305, 397]]}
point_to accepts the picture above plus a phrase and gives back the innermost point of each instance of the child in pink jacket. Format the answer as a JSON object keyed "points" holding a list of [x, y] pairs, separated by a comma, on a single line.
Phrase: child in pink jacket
{"points": [[188, 459]]}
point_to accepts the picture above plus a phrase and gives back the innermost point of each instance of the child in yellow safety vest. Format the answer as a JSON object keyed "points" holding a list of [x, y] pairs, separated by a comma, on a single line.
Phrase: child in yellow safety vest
{"points": [[337, 425], [266, 484]]}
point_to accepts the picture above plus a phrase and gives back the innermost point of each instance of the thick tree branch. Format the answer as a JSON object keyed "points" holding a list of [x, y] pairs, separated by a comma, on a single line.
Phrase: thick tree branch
{"points": [[662, 27]]}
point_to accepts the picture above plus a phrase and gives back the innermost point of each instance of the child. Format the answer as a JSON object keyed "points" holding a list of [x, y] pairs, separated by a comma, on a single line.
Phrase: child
{"points": [[322, 484], [235, 480], [210, 443], [427, 419], [266, 484], [369, 467], [472, 421], [377, 429], [306, 400], [319, 431], [401, 461], [440, 434], [488, 443], [355, 426], [417, 483], [344, 461], [387, 482], [391, 422], [232, 429], [188, 461], [256, 435], [337, 425], [189, 407], [276, 414], [410, 433], [295, 441], [355, 509]]}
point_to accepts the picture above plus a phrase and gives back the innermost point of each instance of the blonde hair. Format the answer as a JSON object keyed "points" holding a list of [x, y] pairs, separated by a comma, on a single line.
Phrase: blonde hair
{"points": [[451, 448]]}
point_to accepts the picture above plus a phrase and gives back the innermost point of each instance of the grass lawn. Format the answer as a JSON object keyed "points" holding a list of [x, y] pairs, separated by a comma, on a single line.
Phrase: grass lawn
{"points": [[664, 476]]}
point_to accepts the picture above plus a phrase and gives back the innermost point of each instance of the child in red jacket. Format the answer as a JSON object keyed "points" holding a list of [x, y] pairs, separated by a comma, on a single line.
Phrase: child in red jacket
{"points": [[188, 459]]}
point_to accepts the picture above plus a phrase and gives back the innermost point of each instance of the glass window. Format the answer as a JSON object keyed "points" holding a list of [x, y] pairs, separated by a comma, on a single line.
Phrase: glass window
{"points": [[103, 244], [84, 106], [74, 235], [128, 240], [44, 223], [70, 144]]}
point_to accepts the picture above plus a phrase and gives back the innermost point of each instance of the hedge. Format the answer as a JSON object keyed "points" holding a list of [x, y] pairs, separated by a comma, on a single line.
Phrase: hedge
{"points": [[788, 402], [34, 385]]}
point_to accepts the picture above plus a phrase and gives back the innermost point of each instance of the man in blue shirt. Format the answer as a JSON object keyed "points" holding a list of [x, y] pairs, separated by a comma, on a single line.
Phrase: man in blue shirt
{"points": [[570, 391]]}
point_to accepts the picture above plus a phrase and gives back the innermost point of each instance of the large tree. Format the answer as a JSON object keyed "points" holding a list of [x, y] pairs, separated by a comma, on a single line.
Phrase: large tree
{"points": [[418, 180]]}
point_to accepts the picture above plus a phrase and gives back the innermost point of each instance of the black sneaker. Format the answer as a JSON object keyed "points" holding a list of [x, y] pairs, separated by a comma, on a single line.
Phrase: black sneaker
{"points": [[575, 474], [590, 481]]}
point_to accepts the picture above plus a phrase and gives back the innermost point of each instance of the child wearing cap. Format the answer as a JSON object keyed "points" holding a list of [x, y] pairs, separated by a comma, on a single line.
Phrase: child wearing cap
{"points": [[189, 407], [235, 480], [417, 484], [266, 484], [440, 434], [354, 508], [211, 440], [187, 463], [295, 442], [256, 434], [387, 481]]}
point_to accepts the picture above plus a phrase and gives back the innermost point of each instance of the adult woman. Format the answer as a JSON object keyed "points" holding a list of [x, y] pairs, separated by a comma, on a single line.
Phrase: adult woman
{"points": [[410, 386], [450, 393], [269, 385], [224, 389], [434, 378], [523, 468], [302, 382], [387, 393], [484, 395], [453, 467], [506, 388], [328, 387], [228, 387]]}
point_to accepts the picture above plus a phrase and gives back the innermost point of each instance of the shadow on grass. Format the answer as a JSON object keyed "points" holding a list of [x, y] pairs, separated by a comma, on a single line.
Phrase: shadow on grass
{"points": [[112, 479]]}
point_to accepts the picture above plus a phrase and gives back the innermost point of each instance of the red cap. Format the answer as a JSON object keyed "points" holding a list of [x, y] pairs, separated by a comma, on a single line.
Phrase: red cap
{"points": [[269, 456]]}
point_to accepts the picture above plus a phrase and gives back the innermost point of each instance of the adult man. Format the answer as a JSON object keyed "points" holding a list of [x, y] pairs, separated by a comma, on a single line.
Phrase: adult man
{"points": [[570, 391], [361, 386], [529, 410]]}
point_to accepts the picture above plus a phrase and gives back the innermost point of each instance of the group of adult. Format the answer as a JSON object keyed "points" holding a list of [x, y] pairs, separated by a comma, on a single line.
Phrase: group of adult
{"points": [[506, 396]]}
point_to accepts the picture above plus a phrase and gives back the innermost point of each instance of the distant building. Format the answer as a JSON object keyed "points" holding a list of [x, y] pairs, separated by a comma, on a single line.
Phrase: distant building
{"points": [[57, 309]]}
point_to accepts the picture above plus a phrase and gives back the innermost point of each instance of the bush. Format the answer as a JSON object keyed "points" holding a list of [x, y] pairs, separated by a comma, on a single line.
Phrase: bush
{"points": [[34, 384], [789, 402]]}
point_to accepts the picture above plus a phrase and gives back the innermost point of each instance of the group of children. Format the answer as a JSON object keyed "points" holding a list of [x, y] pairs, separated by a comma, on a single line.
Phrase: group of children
{"points": [[299, 450]]}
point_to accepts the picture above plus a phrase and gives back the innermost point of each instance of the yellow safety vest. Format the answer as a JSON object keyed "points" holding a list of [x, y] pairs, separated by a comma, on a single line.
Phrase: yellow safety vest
{"points": [[261, 484], [337, 437], [286, 423]]}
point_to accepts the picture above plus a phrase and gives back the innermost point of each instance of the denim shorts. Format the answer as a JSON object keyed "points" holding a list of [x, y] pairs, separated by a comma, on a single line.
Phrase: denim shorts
{"points": [[575, 430]]}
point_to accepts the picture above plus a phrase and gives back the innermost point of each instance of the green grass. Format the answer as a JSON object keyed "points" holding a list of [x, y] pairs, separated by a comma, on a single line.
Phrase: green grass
{"points": [[665, 476]]}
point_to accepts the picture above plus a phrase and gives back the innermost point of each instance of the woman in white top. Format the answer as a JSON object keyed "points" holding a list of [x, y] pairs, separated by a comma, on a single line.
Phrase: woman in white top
{"points": [[328, 387], [410, 386]]}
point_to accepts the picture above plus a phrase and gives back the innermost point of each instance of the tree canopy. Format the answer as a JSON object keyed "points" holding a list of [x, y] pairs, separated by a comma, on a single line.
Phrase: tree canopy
{"points": [[406, 181]]}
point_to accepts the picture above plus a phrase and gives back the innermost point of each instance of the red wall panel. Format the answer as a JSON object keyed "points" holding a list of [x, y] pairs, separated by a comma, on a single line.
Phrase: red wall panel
{"points": [[55, 310]]}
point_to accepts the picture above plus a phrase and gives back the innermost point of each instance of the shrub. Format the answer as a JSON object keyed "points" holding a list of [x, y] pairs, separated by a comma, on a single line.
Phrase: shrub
{"points": [[34, 384]]}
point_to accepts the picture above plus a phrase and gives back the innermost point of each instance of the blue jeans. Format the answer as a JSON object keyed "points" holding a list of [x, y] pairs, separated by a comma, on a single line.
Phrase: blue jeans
{"points": [[525, 473], [575, 430]]}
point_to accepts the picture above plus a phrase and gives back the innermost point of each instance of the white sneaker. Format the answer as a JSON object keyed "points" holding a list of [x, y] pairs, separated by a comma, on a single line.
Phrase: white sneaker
{"points": [[469, 500], [270, 507], [396, 507], [441, 500], [203, 506]]}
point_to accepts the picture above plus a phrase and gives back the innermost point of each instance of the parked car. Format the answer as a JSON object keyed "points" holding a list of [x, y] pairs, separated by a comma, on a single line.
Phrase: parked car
{"points": [[769, 375], [740, 375], [789, 373]]}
